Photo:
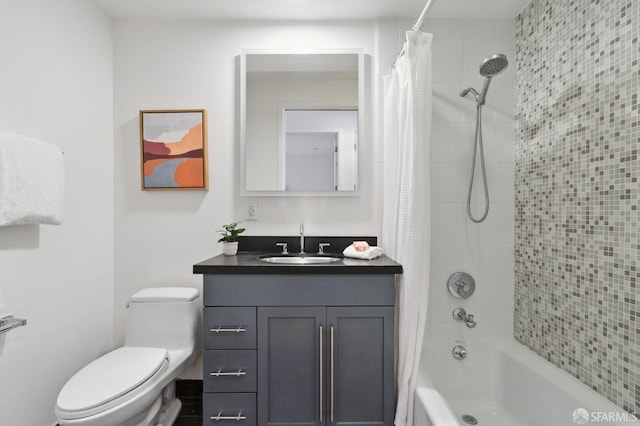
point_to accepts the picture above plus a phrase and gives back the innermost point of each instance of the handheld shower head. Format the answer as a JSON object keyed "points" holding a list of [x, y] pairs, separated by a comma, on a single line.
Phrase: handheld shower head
{"points": [[493, 65], [485, 89], [490, 67]]}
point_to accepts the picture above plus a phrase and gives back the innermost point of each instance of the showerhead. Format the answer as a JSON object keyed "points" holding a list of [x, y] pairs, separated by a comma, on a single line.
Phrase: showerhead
{"points": [[490, 67], [493, 65]]}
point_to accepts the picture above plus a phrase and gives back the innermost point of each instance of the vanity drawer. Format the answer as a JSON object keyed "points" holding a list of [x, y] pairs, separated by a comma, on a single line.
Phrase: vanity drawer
{"points": [[229, 328], [229, 409], [230, 371]]}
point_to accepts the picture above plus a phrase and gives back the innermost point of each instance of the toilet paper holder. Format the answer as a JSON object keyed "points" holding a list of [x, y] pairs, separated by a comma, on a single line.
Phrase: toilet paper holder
{"points": [[9, 323]]}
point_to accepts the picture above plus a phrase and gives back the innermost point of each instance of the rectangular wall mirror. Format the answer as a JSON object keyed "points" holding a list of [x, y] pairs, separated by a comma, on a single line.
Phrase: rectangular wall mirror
{"points": [[300, 122]]}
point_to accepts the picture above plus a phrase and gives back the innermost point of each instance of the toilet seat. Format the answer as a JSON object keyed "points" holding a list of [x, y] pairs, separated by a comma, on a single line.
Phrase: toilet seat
{"points": [[110, 380]]}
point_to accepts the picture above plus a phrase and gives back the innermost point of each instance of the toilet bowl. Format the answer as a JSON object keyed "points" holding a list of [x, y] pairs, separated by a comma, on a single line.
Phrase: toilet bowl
{"points": [[134, 384]]}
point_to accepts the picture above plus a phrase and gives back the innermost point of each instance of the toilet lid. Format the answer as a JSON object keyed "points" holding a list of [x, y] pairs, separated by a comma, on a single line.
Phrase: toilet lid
{"points": [[109, 377]]}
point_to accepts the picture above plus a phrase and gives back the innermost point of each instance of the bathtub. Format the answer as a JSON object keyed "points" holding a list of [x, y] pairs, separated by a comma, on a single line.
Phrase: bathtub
{"points": [[503, 383]]}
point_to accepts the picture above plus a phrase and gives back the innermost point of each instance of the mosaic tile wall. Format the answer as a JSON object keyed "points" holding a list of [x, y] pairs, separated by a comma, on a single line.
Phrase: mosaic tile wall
{"points": [[577, 191]]}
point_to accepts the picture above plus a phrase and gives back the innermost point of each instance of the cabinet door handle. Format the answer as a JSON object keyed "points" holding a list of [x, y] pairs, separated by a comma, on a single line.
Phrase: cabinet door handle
{"points": [[321, 371], [220, 417], [220, 373], [234, 329], [331, 366]]}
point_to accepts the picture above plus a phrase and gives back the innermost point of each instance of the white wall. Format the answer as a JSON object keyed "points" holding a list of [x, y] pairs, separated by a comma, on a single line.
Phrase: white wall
{"points": [[56, 83], [160, 235]]}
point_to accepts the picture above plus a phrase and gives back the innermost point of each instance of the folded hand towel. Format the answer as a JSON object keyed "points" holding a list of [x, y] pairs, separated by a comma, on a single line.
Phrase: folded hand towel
{"points": [[370, 253], [31, 181]]}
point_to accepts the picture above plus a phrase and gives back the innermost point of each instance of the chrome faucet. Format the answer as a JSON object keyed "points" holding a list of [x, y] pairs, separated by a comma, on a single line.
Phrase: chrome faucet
{"points": [[302, 238], [460, 315]]}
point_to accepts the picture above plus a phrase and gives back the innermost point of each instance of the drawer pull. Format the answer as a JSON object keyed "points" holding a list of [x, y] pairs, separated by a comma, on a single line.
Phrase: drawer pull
{"points": [[220, 373], [236, 418], [238, 329]]}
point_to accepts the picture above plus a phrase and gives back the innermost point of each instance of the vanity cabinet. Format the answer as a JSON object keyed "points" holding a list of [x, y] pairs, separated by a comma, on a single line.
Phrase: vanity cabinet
{"points": [[294, 349], [325, 365]]}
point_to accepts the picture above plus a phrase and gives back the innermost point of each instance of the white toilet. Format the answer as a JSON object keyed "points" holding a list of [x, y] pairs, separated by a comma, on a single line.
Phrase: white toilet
{"points": [[134, 384]]}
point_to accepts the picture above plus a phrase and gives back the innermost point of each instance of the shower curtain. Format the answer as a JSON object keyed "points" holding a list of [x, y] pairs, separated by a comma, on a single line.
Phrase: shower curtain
{"points": [[406, 234]]}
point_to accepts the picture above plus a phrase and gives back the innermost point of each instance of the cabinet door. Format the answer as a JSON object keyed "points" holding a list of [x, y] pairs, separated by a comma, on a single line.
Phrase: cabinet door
{"points": [[289, 365], [361, 383]]}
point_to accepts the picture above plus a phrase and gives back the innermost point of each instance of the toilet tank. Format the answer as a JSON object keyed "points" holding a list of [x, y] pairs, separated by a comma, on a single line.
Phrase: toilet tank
{"points": [[165, 317]]}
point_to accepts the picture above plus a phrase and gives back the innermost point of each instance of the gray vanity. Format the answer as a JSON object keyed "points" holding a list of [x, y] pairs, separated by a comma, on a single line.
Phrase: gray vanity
{"points": [[298, 344]]}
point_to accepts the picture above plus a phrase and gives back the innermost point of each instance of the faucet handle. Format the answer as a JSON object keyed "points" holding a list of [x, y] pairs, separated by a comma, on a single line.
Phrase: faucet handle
{"points": [[284, 247], [321, 247], [470, 321]]}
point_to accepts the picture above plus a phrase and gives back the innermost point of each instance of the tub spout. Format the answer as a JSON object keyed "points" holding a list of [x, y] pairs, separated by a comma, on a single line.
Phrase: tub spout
{"points": [[460, 314]]}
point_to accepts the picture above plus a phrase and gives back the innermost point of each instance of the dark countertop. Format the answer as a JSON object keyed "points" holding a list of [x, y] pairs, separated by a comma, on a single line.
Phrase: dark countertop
{"points": [[248, 263]]}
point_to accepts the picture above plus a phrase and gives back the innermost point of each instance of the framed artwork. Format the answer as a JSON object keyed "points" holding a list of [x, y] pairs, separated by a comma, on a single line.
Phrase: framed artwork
{"points": [[173, 146]]}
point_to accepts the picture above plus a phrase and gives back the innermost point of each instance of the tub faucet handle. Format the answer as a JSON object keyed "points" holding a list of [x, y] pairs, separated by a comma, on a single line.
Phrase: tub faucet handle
{"points": [[284, 247], [460, 314], [469, 321]]}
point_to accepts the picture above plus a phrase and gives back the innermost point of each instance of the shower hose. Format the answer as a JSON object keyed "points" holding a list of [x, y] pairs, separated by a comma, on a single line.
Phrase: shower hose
{"points": [[478, 143]]}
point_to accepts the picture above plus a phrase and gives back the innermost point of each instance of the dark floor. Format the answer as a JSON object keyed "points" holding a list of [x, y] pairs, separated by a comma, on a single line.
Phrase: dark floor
{"points": [[190, 393]]}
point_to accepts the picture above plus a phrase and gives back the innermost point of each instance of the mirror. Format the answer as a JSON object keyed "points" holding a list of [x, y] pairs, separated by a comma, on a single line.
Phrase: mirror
{"points": [[300, 122]]}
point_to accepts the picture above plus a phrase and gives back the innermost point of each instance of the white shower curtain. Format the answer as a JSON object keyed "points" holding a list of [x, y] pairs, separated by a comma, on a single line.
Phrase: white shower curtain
{"points": [[406, 234]]}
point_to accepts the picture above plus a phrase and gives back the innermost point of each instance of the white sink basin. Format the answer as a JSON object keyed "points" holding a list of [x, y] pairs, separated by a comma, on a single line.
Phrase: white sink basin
{"points": [[299, 260]]}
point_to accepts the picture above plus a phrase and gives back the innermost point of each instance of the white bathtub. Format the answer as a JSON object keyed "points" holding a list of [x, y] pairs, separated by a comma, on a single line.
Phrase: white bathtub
{"points": [[503, 383]]}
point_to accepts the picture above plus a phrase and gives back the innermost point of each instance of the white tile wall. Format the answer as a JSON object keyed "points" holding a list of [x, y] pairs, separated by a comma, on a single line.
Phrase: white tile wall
{"points": [[484, 250]]}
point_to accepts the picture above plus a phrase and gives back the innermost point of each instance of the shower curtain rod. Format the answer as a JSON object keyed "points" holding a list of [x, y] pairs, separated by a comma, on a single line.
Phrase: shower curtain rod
{"points": [[417, 26], [420, 22]]}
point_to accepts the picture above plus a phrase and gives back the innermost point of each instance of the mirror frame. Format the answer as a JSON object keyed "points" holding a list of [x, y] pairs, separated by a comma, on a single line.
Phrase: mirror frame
{"points": [[243, 119]]}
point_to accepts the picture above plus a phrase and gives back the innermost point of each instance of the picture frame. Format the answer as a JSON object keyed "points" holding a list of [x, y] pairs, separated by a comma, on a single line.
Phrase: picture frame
{"points": [[173, 149]]}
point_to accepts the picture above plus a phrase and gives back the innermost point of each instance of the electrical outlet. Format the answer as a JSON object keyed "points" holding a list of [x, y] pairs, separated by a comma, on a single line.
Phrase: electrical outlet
{"points": [[252, 210]]}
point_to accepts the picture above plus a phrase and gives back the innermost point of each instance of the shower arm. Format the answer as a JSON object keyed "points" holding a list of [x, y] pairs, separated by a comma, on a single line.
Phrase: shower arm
{"points": [[471, 90], [479, 97]]}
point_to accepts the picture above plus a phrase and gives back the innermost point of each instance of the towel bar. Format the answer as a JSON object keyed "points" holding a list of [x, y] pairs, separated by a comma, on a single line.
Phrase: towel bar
{"points": [[9, 323]]}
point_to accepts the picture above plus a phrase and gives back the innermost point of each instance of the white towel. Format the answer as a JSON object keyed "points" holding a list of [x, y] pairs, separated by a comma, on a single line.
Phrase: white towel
{"points": [[31, 181], [371, 253]]}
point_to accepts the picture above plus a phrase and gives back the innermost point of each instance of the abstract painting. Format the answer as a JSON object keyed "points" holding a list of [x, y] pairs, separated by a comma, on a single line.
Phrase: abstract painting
{"points": [[174, 149]]}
